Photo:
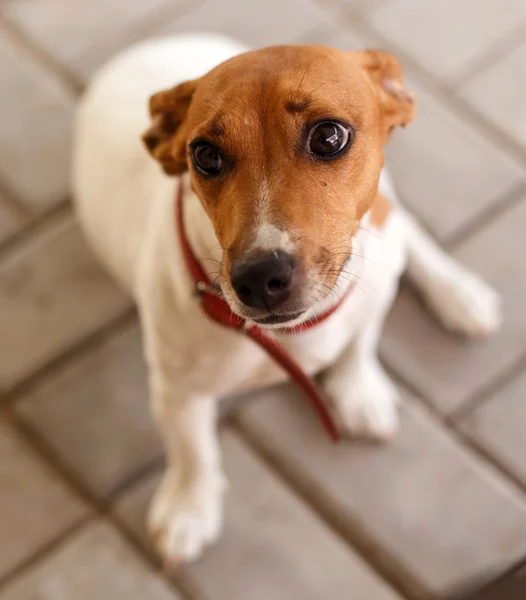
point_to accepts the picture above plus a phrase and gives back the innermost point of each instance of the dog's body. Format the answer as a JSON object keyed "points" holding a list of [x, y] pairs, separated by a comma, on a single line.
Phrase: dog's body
{"points": [[126, 206]]}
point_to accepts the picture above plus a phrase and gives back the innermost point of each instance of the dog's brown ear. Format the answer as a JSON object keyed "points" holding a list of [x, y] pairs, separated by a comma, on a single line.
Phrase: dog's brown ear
{"points": [[397, 104], [165, 139]]}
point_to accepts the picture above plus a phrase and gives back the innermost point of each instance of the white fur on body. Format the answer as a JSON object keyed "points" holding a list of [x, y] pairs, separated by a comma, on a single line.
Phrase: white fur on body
{"points": [[126, 206]]}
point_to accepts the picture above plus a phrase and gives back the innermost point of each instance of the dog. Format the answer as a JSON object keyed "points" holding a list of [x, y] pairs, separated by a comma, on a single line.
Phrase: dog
{"points": [[278, 156]]}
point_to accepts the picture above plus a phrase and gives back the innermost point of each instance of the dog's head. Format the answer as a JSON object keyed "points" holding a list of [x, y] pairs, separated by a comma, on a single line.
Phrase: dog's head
{"points": [[284, 148]]}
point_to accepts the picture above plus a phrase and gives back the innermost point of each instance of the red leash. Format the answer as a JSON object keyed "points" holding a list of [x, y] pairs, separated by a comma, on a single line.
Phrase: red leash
{"points": [[219, 311]]}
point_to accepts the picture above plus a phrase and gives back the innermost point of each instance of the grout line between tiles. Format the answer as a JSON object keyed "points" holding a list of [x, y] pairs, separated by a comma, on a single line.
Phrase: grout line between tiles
{"points": [[136, 478]]}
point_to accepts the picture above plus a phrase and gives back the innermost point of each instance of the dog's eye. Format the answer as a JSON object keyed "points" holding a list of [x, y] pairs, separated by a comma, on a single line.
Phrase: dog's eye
{"points": [[328, 138], [207, 159]]}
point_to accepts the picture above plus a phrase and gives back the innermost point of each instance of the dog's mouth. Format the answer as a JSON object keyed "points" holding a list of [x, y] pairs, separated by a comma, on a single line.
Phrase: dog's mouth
{"points": [[278, 319]]}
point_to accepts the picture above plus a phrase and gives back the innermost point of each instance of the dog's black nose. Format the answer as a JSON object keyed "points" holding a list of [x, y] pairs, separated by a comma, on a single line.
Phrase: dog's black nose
{"points": [[263, 282]]}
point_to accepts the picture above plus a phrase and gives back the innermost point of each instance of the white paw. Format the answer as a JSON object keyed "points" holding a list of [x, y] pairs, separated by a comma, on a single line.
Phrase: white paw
{"points": [[366, 402], [184, 519], [466, 304]]}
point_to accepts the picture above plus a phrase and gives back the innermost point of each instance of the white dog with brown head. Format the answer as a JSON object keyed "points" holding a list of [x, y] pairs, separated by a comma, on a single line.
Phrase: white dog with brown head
{"points": [[286, 207]]}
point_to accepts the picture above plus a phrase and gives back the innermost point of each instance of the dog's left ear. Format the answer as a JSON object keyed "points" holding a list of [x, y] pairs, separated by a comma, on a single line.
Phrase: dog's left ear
{"points": [[165, 139], [398, 105]]}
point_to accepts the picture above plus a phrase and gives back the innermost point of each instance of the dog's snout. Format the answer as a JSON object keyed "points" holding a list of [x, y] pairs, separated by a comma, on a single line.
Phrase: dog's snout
{"points": [[263, 282]]}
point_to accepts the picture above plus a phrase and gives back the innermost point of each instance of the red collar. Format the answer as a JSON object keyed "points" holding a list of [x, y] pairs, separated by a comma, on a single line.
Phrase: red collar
{"points": [[219, 311]]}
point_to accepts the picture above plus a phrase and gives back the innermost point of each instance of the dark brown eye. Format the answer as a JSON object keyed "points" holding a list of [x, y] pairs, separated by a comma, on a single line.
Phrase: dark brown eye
{"points": [[328, 138], [207, 159]]}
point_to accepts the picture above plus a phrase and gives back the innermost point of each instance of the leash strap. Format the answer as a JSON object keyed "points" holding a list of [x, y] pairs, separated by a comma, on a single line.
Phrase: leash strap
{"points": [[218, 310]]}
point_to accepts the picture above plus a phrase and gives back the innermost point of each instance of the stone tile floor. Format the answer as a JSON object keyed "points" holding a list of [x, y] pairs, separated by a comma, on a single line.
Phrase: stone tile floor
{"points": [[79, 456]]}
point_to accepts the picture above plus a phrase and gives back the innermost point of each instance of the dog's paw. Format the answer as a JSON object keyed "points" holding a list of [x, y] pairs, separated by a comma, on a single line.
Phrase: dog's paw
{"points": [[184, 519], [366, 402], [466, 304]]}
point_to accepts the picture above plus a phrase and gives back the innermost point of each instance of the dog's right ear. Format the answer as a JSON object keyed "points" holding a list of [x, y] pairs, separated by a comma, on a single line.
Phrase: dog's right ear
{"points": [[166, 138]]}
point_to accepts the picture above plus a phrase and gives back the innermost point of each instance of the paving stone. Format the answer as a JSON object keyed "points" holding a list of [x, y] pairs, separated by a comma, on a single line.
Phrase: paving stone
{"points": [[256, 24], [422, 498], [272, 547], [72, 30], [447, 36], [95, 413], [498, 426], [446, 370], [35, 141], [29, 499], [52, 294], [95, 564], [498, 91], [446, 171]]}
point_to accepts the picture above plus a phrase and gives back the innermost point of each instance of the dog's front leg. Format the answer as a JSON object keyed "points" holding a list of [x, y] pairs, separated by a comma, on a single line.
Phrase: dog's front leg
{"points": [[363, 396], [186, 513]]}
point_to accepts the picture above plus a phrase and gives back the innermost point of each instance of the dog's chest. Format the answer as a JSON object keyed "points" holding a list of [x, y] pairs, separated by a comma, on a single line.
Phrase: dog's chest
{"points": [[235, 363]]}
